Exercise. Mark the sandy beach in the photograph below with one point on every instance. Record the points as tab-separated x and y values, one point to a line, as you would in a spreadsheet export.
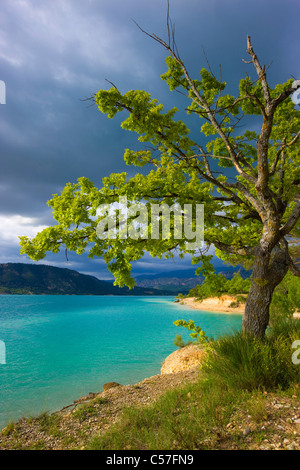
215	304
218	305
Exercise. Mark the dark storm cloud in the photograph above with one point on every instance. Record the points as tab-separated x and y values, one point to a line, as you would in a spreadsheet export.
54	54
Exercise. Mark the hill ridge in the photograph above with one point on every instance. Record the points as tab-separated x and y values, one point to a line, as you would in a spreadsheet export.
42	279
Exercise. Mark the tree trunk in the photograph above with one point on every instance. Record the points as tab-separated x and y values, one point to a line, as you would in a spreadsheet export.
268	271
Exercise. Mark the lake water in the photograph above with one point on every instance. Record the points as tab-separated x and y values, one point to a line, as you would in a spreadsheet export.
59	348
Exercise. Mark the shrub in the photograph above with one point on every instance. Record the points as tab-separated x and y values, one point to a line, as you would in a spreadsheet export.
244	362
178	341
215	285
197	333
285	300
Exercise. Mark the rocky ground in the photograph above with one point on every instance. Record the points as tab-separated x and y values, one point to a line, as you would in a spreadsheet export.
279	429
74	425
275	426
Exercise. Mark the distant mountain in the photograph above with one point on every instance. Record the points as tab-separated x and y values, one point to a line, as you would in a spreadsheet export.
21	278
181	281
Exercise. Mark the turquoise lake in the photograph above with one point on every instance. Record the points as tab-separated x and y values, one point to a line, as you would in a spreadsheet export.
59	348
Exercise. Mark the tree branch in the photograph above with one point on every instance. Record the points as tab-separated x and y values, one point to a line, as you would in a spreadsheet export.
261	71
284	95
199	99
293	268
291	222
242	251
283	146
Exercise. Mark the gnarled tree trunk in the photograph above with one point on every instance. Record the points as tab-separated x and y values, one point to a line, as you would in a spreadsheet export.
268	271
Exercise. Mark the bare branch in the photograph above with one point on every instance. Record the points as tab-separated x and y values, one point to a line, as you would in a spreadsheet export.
168	23
208	65
198	98
111	83
261	72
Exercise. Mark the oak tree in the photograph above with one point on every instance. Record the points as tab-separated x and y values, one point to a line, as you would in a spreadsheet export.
248	181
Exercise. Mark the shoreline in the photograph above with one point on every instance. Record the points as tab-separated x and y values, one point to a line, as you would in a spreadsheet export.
214	304
218	305
154	385
72	427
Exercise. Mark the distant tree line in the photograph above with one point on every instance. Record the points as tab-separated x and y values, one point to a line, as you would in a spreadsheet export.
286	297
215	285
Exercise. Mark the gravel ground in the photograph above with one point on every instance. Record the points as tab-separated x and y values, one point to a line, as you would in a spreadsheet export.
69	428
74	425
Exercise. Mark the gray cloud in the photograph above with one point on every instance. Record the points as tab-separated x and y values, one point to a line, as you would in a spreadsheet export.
53	54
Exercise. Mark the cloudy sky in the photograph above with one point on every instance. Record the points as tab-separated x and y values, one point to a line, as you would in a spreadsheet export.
56	53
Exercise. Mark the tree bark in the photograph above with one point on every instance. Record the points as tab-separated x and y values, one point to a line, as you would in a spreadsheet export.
268	271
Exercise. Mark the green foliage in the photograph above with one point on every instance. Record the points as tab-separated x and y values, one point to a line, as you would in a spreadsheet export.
180	296
180	172
198	335
216	285
238	285
286	299
178	341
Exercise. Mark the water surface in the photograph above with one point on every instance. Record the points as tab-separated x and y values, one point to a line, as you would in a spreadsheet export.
59	348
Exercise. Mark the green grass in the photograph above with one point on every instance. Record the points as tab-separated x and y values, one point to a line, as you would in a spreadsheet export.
195	417
235	387
88	410
48	423
246	363
9	429
233	381
181	419
257	408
